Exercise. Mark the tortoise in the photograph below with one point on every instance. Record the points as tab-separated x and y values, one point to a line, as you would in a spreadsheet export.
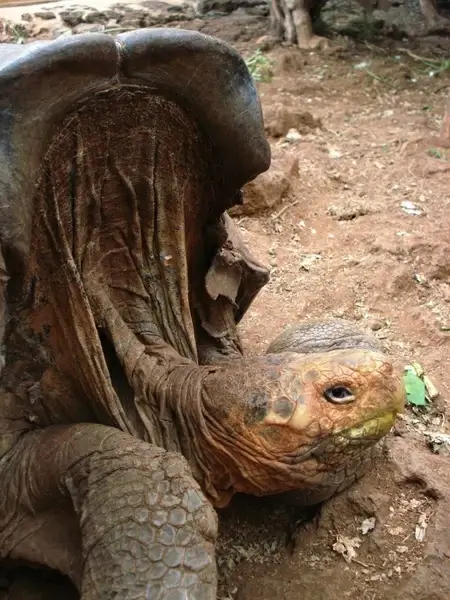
128	410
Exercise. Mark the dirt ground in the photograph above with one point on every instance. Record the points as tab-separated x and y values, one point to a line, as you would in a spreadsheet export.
342	243
356	225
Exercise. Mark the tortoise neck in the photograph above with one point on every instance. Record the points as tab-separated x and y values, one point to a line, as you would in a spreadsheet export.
168	404
191	414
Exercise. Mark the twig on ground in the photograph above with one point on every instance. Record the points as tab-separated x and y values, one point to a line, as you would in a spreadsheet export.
415	140
363	564
420	58
284	209
373	47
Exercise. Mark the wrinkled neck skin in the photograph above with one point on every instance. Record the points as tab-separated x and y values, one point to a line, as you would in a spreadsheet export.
171	402
179	405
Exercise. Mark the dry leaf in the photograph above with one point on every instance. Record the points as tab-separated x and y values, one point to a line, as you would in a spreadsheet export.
396	530
346	546
367	525
421	527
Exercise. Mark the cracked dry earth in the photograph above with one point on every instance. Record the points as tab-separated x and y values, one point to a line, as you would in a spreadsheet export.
353	218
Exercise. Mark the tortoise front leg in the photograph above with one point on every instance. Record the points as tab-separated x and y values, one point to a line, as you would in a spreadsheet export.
123	519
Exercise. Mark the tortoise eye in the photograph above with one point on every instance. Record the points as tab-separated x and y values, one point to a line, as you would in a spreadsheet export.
339	394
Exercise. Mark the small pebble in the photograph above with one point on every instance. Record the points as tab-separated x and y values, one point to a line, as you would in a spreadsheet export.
47	15
375	325
293	135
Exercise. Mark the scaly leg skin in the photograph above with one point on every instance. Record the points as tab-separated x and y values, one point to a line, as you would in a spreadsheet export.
123	519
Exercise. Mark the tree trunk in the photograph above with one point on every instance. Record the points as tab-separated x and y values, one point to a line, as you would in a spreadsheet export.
291	22
435	21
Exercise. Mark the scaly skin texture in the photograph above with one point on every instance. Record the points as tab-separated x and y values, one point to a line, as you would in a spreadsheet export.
290	436
145	531
127	410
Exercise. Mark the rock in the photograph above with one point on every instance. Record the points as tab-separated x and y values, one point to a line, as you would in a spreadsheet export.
47	15
155	13
94	16
344	15
72	18
268	190
279	119
260	10
361	18
39	32
113	14
56	33
88	28
293	136
175	8
375	324
351	209
375	504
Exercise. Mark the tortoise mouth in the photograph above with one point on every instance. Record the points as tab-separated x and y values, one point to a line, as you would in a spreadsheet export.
360	436
370	430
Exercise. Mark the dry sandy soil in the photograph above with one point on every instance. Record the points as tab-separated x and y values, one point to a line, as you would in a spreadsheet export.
342	242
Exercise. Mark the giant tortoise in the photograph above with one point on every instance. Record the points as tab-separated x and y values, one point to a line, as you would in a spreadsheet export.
127	408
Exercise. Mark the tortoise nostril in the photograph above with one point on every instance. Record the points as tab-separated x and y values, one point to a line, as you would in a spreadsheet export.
339	394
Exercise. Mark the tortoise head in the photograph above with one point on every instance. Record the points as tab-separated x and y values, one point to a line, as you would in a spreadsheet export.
286	422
